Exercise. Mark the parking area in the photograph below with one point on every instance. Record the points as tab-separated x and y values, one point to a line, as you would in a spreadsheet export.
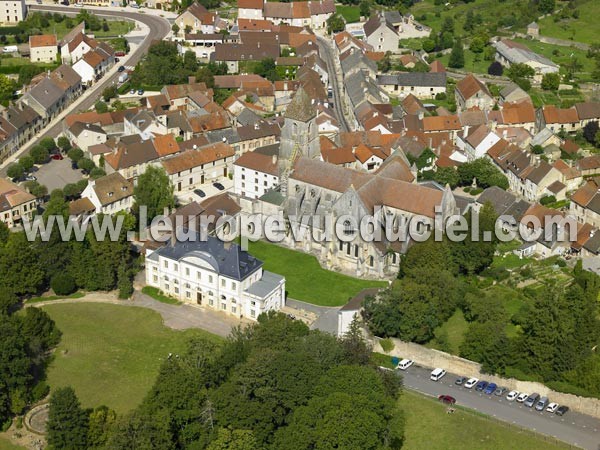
574	428
57	173
208	189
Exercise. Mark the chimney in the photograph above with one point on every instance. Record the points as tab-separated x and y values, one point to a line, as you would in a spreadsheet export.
505	134
465	130
274	159
191	79
421	115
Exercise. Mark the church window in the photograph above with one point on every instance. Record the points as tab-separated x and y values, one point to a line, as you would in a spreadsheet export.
348	229
371	261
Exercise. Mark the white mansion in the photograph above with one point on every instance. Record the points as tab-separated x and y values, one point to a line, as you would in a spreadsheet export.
217	275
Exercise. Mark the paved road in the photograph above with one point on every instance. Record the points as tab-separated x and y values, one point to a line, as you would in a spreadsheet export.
326	51
573	428
158	28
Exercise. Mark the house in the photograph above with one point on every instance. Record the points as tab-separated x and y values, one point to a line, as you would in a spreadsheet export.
68	80
47	98
423	85
250	9
16	204
588	112
234	53
131	157
43	48
590	165
196	19
110	194
476	141
571	177
585	203
94	64
512	93
256	172
557	119
545	137
12	12
351	310
519	114
510	52
533	29
508	207
217	275
472	93
381	34
193	168
85	135
73	50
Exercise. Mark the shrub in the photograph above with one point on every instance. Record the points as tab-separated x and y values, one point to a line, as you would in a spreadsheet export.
63	284
387	345
495	68
75	154
548	199
441	96
40	391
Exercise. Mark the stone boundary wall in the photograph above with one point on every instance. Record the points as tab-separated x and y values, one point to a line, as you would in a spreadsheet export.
431	358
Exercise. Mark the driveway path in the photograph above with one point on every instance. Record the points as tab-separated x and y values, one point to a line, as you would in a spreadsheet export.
178	317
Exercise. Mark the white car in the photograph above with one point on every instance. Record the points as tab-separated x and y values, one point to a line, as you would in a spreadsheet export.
404	364
471	382
522	397
512	395
552	407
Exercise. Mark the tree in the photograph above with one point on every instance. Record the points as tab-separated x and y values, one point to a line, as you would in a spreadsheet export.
365	8
109	93
101	107
63	284
67	422
190	62
154	191
495	68
477	45
7	88
546	6
96	173
267	68
105	26
590	130
519	71
40	331
27	72
551	81
428	45
228	439
101	422
446	175
40	154
335	24
75	154
15	171
124	283
86	164
457	56
64	144
26	162
175	29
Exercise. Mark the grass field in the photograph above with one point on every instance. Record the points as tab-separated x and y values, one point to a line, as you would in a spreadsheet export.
158	295
454	328
473	62
306	280
49	298
428	426
582	29
350	13
5	444
110	354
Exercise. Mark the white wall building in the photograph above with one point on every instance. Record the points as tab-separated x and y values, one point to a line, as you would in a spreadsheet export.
110	194
254	173
12	11
216	275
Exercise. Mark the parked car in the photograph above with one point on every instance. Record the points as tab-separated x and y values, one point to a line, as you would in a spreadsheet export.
404	364
121	69
552	407
140	92
489	390
471	382
532	400
57	157
219	186
512	396
481	385
541	404
199	192
132	92
448	399
562	410
30	178
522	397
437	374
460	381
500	391
74	165
119	54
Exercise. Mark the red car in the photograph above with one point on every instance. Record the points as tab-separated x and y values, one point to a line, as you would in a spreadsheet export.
57	157
447	399
120	54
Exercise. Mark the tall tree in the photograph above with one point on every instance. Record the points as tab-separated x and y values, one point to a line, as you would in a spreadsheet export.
457	56
67	422
153	191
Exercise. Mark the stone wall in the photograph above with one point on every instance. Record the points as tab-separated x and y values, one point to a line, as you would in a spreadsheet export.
431	358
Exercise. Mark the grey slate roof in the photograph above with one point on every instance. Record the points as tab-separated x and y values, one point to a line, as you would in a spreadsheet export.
248	117
227	259
498	198
267	284
437	79
46	93
229	135
301	107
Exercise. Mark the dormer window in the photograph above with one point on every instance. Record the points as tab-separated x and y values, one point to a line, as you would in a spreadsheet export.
110	194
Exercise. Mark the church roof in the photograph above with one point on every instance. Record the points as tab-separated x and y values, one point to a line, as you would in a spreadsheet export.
301	107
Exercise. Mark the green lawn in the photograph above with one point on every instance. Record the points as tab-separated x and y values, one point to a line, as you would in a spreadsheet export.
473	62
429	426
115	28
158	295
562	100
582	29
509	261
306	280
454	328
55	297
5	444
110	354
349	13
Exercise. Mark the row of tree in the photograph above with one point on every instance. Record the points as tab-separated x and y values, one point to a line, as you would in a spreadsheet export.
276	385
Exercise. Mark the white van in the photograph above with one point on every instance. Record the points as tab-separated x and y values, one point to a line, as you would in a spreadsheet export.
437	374
404	364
